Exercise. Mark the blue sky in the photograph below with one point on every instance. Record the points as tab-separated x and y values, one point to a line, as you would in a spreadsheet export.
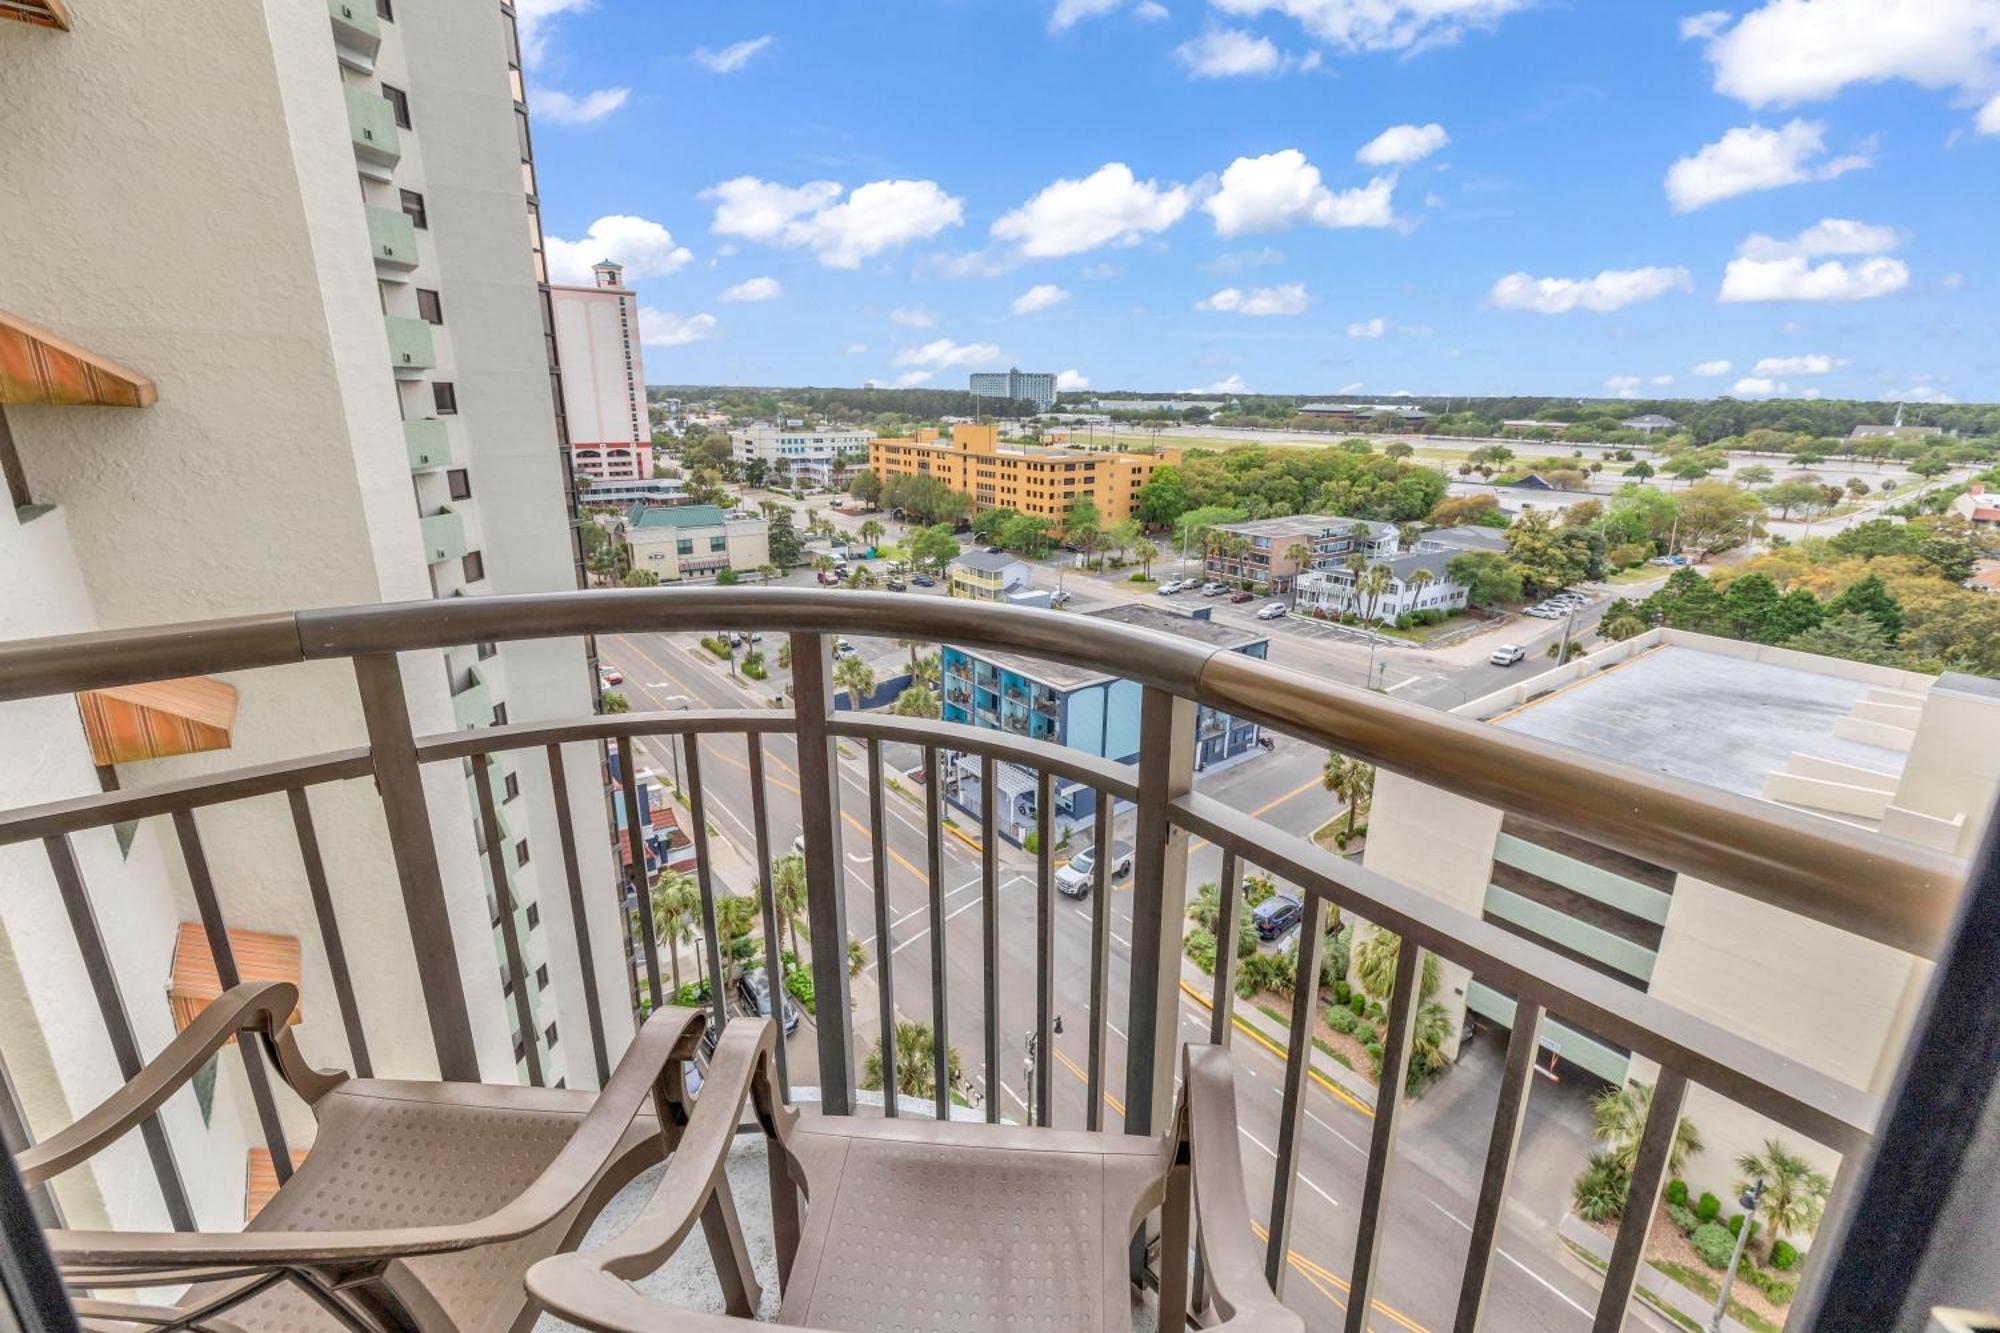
1312	196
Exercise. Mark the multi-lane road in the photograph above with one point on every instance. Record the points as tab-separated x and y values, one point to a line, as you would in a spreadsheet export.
1440	1150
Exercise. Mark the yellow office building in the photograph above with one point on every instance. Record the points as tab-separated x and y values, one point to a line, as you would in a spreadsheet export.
1041	482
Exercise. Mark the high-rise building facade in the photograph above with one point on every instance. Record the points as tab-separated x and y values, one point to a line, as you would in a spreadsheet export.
1040	482
268	341
803	455
1016	385
603	377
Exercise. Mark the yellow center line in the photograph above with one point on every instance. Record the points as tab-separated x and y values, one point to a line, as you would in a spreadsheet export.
1316	1270
1084	1078
1243	1026
1267	807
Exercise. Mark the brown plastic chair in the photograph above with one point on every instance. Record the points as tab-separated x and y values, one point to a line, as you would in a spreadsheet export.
419	1206
916	1224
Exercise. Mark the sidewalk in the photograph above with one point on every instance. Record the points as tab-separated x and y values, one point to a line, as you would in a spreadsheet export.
1275	1037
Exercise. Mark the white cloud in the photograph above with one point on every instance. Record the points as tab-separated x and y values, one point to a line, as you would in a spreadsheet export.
1150	11
1752	157
1756	387
644	248
1069	13
661	328
1237	260
1382	25
1700	27
1716	367
1234	384
1623	386
1286	299
878	216
1767	269
909	379
1371	328
1660	381
1400	145
1922	391
1609	290
1229	53
1988	121
531	21
1097	272
1282	189
562	108
944	354
1810	364
857	349
1791	51
1356	387
1072	381
912	317
734	56
755	289
1041	296
1108	206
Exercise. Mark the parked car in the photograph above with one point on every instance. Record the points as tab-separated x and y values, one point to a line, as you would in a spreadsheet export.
1061	598
897	585
753	992
1213	589
1276	915
924	581
610	675
1507	654
1239	596
842	648
1074	880
1272	611
1172	586
996	550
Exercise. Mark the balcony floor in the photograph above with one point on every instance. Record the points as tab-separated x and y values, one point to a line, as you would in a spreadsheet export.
687	1281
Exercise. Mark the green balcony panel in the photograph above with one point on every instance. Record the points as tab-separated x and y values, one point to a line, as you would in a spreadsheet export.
410	347
372	124
357	33
430	447
1580	1049
444	537
1558	927
392	238
472	705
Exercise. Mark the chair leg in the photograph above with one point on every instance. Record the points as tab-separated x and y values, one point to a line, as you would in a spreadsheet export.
724	1232
1174	1252
784	1211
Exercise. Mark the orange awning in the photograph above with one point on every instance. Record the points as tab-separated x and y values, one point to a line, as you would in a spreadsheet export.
158	719
42	13
259	957
36	366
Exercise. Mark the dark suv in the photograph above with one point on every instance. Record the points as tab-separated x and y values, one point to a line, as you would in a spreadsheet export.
753	995
1276	915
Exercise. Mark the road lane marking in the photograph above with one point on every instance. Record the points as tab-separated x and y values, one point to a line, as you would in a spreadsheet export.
1267	807
1559	1292
1318	1270
1264	1041
1084	1078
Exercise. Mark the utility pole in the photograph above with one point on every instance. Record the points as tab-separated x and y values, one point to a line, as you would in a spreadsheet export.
1750	1201
1569	624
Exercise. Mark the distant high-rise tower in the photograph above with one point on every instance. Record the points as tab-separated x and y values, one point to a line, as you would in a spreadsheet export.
1016	385
604	377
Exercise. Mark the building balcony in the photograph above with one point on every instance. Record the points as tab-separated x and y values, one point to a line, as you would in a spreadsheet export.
392	239
411	350
472	702
1330	1153
371	123
428	442
444	536
357	33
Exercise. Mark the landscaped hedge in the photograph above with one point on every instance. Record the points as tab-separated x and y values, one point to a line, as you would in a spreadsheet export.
1713	1242
1199	946
1341	1019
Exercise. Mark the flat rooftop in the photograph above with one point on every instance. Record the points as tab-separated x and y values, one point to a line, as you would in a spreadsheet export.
1718	720
1062	676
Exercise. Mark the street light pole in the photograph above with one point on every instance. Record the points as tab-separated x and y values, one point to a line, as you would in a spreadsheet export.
1569	624
1750	1200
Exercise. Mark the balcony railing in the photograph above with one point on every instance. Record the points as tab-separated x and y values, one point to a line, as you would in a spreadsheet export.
1844	877
371	123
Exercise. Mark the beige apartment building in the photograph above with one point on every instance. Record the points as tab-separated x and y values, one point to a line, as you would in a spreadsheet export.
1911	756
1041	482
694	541
603	377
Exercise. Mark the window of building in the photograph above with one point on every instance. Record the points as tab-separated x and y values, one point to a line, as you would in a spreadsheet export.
534	915
474	566
430	306
413	208
520	1050
487	650
513	787
550	1033
385	10
685	546
500	714
542	977
445	396
718	543
399	102
460	482
506	981
521	852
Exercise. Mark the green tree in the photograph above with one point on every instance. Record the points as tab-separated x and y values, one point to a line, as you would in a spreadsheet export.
1622	620
1488	577
916	1054
788	884
934	547
1618	1115
783	539
1641	469
1163	499
640	578
676	900
856	677
866	486
1375	955
1846	634
870	532
1025	533
1688	601
1145	553
1869	598
1544	561
1793	493
615	702
1715	516
916	701
1795	1192
1755	475
1352	782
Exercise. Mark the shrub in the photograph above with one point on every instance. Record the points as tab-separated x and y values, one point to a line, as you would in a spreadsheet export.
1269	971
753	667
1374	1054
1341	1019
1366	1034
1032	843
1199	946
800	984
1683	1218
1784	1256
725	578
1708	1207
1735	1225
1777	1290
1342	993
1713	1243
1357	1003
1246	936
1139	577
1677	1192
1257	888
1599	1190
1374	1011
717	646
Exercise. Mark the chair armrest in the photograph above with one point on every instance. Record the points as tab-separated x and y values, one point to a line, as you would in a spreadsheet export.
263	1008
1243	1300
590	1287
669	1036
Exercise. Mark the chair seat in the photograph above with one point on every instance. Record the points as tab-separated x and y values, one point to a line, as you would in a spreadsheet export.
920	1224
399	1154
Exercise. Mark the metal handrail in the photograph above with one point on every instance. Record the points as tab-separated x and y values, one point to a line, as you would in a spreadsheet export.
1894	893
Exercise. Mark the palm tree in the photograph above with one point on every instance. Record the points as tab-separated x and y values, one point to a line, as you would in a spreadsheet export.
916	1049
788	885
765	571
1794	1193
871	532
823	564
856	677
927	670
785	653
1373	584
1619	1117
1299	556
1351	780
1375	956
1419	580
676	899
1145	553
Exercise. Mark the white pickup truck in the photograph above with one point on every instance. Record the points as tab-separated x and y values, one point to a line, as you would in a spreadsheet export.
1074	880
